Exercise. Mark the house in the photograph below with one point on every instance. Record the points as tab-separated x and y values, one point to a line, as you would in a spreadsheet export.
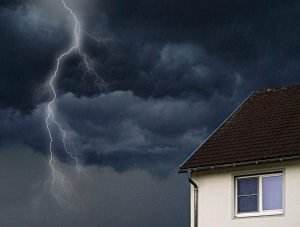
247	173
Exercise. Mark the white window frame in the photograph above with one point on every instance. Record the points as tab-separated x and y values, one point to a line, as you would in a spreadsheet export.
260	211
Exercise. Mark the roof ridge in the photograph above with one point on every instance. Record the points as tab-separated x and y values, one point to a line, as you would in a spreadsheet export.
276	89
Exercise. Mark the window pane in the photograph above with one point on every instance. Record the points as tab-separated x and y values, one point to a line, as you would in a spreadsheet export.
247	204
272	193
247	186
247	194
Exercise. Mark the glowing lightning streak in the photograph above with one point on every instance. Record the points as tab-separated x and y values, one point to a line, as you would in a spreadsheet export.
61	187
50	112
50	118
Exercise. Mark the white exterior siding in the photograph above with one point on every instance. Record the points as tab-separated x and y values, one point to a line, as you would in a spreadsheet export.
216	198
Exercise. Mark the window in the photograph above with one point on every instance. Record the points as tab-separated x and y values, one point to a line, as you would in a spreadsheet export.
259	195
247	194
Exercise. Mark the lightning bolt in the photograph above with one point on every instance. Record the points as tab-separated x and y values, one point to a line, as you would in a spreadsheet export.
50	120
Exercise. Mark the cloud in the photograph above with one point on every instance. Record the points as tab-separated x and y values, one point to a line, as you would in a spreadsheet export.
164	93
125	131
160	103
33	34
149	69
156	49
172	69
119	130
19	130
29	44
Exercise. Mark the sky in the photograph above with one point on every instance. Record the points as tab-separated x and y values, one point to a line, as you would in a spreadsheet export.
165	74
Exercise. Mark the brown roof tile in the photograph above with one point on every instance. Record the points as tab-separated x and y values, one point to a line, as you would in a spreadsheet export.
266	126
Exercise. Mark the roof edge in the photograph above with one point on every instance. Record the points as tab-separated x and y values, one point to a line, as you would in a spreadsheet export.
215	130
276	89
245	163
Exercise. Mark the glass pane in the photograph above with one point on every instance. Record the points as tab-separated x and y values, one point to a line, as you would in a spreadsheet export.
272	193
247	186
247	194
247	204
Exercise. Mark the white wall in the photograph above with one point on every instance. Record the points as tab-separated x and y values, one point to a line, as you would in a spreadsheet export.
216	198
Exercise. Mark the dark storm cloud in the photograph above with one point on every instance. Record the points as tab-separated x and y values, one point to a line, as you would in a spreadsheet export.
28	48
125	131
146	68
231	27
33	33
209	42
119	129
174	70
258	39
161	59
9	3
167	48
20	130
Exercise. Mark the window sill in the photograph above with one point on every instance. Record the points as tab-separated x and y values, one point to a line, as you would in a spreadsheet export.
258	214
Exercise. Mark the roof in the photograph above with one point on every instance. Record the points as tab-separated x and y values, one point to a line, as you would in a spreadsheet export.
266	127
